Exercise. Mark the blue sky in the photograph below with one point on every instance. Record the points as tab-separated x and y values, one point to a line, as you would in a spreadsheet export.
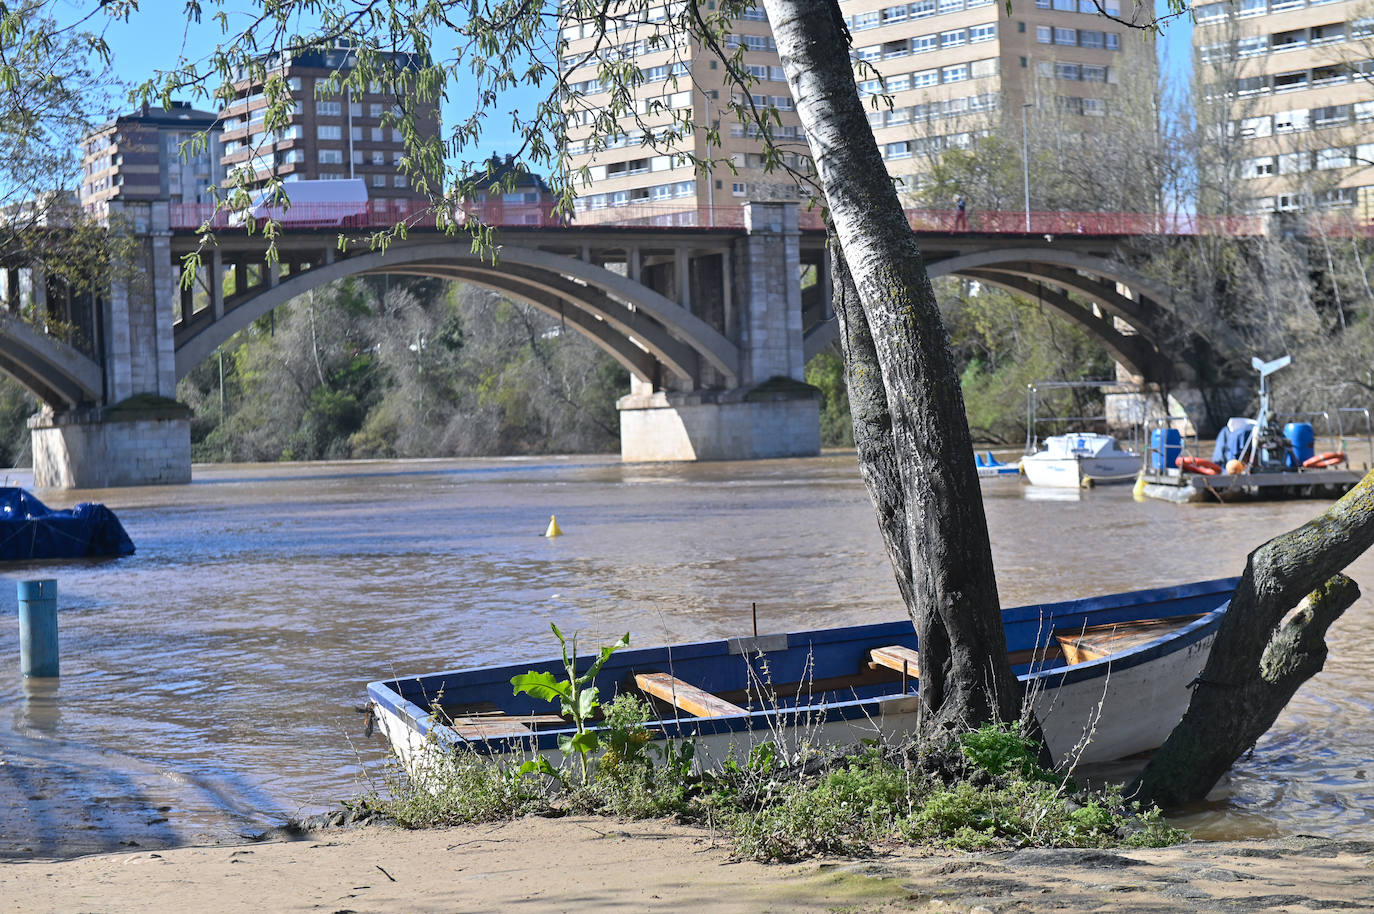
159	34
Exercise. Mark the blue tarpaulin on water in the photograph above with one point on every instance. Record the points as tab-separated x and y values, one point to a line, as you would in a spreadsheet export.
30	529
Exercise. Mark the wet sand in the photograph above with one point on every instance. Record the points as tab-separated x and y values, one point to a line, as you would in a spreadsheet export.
585	865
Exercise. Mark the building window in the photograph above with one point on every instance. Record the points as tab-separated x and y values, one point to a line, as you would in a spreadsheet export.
400	181
1113	41
1087	38
328	132
1044	34
950	6
331	156
922	43
374	111
1259	168
900	150
739	189
953	38
983	32
955	74
922	8
328	109
379	180
1066	36
378	135
1094	107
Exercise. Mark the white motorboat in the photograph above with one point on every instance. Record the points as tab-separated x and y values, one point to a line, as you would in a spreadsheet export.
1084	459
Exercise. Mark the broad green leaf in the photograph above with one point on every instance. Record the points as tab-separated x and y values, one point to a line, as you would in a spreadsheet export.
543	686
585	742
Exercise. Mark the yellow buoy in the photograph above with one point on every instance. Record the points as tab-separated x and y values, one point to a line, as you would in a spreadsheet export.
1236	467
1138	492
554	529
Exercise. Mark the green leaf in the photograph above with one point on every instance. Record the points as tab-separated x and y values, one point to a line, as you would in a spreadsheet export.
585	705
543	686
606	653
537	766
584	742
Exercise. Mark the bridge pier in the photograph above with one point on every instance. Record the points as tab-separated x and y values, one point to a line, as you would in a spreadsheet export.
137	433
100	448
772	412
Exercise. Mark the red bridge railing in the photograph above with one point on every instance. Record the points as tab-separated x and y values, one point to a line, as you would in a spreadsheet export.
381	214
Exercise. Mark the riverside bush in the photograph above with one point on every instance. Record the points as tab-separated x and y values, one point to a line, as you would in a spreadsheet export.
989	792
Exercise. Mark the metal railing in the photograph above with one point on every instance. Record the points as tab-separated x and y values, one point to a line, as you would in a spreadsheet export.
380	214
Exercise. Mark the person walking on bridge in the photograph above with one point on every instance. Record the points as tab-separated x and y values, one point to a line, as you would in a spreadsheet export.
960	217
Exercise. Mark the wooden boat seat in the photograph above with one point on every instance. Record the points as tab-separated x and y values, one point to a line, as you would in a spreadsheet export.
896	657
1098	641
490	722
685	696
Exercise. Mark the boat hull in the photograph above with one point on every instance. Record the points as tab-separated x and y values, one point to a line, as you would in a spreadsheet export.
1075	472
1091	711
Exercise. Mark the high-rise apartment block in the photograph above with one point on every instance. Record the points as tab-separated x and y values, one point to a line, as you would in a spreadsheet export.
331	134
1297	81
151	155
952	68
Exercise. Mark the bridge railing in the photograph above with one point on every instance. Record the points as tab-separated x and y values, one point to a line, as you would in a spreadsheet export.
378	214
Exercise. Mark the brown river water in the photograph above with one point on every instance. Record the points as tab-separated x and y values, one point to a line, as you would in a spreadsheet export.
212	682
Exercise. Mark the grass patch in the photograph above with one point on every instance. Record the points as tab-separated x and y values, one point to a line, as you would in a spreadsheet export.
985	790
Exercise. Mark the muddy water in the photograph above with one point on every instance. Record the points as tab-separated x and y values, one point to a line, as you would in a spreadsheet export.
211	683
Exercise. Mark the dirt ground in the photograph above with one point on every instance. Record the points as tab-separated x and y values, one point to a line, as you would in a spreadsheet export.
584	865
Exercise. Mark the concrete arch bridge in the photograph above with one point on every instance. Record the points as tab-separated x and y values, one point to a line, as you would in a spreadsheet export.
706	311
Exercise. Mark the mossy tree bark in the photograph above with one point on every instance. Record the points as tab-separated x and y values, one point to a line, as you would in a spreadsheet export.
910	426
1267	646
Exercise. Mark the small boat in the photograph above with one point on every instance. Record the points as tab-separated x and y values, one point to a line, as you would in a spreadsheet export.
1084	459
30	529
991	466
1109	677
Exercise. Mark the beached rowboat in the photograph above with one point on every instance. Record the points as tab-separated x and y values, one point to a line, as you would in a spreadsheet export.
1109	676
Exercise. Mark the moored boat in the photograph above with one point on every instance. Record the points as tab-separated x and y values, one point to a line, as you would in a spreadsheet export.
1083	459
1109	677
30	529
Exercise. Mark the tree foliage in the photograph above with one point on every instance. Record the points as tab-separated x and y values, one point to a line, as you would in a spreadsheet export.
402	368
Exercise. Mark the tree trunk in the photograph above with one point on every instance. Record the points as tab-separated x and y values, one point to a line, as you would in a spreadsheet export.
1263	652
934	493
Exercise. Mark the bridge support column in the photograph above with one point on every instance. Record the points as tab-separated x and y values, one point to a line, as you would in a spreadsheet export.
139	434
100	448
773	412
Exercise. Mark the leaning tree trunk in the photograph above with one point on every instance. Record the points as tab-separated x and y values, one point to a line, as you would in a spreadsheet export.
933	495
1262	653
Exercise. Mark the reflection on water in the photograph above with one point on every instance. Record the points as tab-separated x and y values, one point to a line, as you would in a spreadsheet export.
212	681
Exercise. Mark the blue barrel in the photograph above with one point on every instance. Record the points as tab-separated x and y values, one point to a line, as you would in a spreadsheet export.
1301	436
1165	446
38	628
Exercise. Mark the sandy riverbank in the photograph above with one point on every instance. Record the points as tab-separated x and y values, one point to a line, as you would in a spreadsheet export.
586	865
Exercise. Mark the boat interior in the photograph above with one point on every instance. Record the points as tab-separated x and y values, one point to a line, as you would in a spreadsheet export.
729	680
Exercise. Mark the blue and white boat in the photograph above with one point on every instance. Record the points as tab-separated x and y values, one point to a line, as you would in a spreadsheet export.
1084	459
1109	677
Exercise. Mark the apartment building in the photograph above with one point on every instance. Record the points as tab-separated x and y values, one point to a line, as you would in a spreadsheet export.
150	155
953	69
331	135
680	76
1297	80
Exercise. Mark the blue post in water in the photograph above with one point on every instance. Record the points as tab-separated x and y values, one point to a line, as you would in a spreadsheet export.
38	628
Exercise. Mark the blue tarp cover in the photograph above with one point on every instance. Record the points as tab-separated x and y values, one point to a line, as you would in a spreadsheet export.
30	529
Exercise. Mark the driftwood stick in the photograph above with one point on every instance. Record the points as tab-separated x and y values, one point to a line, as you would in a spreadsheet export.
1266	647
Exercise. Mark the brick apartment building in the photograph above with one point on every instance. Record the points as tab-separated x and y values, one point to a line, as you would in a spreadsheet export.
147	155
329	136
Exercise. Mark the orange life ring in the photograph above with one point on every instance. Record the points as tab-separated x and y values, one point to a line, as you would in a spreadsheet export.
1198	465
1321	461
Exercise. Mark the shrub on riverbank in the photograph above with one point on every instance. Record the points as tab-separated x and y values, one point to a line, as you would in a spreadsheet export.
991	794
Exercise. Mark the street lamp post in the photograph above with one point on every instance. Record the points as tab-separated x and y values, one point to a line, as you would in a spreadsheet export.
1025	162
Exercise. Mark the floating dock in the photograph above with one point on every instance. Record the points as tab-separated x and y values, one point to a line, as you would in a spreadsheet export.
1175	485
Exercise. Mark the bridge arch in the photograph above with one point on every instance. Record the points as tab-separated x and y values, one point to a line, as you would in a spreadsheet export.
1025	269
54	372
636	319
